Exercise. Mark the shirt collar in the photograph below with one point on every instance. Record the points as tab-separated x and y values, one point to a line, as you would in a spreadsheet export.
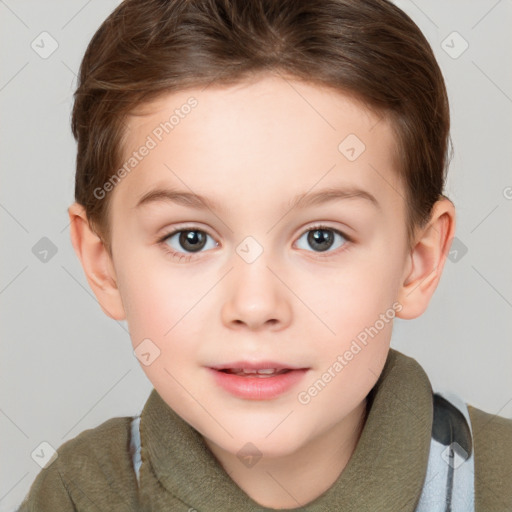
386	470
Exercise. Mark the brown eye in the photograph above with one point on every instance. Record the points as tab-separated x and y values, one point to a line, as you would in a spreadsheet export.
323	238
192	241
187	241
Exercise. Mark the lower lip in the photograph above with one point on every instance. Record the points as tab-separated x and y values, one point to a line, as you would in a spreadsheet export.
258	388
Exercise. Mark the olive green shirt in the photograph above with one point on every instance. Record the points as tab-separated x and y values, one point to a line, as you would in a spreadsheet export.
94	471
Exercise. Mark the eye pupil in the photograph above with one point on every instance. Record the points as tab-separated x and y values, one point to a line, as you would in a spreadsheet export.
192	240
318	237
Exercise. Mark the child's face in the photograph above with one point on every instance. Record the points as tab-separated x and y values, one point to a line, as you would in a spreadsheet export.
261	289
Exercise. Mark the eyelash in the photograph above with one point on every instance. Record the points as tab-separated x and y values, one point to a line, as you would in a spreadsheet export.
188	256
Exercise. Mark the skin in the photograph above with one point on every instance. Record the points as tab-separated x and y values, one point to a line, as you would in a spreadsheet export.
252	147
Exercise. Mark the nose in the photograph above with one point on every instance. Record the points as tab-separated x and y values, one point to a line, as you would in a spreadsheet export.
255	298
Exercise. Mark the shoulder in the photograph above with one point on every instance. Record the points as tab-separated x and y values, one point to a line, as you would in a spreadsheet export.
93	467
492	436
105	446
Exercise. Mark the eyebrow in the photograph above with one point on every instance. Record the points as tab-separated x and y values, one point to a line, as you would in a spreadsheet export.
199	202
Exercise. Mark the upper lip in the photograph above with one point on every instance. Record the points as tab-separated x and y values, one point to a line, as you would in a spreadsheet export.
256	365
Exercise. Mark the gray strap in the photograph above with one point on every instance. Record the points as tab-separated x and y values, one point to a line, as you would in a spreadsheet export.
135	446
449	482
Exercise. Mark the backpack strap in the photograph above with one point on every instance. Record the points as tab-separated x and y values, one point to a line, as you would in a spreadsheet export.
449	482
135	446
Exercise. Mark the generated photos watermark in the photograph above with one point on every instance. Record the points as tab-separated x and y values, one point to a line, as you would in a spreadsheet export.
342	360
152	140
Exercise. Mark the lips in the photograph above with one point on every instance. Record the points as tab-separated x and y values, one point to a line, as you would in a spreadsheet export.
257	380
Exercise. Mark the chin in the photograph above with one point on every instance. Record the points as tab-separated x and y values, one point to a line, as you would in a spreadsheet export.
256	442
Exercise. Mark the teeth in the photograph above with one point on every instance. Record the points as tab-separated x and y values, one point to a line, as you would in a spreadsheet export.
267	371
263	371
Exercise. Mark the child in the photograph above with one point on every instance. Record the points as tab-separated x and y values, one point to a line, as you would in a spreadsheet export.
303	147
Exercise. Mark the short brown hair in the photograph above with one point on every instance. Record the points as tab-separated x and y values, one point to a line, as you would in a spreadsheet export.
369	49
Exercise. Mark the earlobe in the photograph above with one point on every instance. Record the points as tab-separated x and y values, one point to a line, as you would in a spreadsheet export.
426	261
96	262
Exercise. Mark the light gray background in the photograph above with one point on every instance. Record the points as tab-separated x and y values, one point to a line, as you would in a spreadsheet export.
66	367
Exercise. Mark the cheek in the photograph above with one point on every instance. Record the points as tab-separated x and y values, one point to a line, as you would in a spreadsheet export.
159	324
356	303
162	303
149	299
354	297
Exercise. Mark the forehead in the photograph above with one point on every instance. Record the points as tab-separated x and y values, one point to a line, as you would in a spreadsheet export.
274	136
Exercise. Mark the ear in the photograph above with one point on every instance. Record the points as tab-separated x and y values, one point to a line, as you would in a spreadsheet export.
426	261
96	262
